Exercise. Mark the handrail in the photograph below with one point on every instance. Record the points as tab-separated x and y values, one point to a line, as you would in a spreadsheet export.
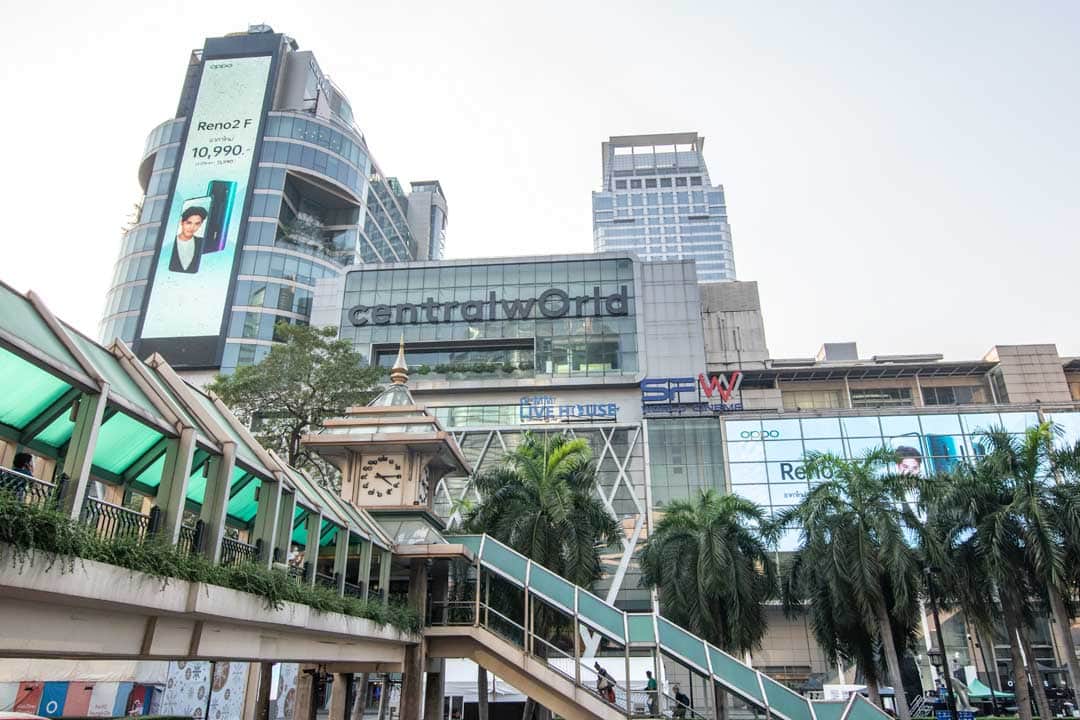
665	637
112	521
235	552
27	488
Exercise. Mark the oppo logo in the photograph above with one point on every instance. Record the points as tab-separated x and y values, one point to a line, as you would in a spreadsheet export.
759	434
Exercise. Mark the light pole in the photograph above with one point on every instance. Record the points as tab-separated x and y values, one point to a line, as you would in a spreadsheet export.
950	698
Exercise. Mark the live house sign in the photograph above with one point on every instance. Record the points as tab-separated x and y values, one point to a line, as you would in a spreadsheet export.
552	303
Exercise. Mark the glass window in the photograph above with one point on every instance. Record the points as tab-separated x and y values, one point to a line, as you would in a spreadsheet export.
860	427
754	493
941	424
784	450
834	446
746	451
880	397
975	423
900	425
780	429
821	427
748	474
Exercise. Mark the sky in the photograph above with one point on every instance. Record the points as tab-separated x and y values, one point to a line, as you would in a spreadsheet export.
904	175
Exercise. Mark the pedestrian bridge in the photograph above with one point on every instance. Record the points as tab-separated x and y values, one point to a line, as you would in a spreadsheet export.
129	450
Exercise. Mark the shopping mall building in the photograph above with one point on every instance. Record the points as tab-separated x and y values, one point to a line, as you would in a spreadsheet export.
671	383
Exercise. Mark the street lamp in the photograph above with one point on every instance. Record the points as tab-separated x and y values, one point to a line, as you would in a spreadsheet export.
938	657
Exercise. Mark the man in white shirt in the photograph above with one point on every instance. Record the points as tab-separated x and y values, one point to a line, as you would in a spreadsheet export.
187	250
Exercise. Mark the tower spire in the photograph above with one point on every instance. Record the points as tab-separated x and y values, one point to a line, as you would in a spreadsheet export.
399	374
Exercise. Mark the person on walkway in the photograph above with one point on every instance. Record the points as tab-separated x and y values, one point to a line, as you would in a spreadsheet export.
650	688
605	684
24	463
682	702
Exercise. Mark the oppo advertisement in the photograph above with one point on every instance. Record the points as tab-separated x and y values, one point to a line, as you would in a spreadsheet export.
201	233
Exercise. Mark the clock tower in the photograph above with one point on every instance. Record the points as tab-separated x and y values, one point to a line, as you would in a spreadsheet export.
391	453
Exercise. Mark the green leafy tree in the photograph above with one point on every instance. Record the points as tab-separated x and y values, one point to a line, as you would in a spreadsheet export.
542	501
712	571
1001	528
306	379
855	534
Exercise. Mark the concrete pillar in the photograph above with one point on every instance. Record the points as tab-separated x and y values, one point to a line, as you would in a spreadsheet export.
439	584
415	655
364	572
285	525
266	520
435	693
361	698
80	451
257	695
341	558
313	525
384	575
384	698
219	472
338	709
172	492
305	693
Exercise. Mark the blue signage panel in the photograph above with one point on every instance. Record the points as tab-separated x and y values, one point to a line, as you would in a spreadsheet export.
545	408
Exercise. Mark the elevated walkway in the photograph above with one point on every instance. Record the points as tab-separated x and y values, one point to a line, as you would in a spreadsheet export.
555	671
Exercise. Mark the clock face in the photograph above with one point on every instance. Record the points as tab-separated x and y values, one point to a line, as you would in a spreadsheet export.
380	480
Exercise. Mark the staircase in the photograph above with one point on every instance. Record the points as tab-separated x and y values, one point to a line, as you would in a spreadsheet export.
564	680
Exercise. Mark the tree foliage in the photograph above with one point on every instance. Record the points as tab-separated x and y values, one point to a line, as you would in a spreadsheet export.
712	569
306	379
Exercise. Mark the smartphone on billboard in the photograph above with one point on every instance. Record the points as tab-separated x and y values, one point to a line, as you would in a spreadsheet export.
222	195
942	451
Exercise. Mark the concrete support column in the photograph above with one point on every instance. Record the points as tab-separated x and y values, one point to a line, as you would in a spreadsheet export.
89	411
257	697
219	470
266	520
285	526
435	692
338	706
384	575
364	573
341	558
305	694
412	690
313	525
384	698
361	698
172	492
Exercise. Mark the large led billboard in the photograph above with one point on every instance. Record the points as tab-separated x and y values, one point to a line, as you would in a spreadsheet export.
200	240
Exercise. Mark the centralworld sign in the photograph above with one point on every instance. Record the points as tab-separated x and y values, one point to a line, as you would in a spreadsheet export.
552	303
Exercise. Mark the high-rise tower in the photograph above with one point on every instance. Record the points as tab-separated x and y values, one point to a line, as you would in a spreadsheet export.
259	186
658	202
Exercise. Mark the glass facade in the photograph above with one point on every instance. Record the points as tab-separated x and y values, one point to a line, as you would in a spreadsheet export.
686	456
658	202
320	203
447	317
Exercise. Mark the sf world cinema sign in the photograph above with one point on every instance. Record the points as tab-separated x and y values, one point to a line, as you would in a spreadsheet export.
701	395
552	303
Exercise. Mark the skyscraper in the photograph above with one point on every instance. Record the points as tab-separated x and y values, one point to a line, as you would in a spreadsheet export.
260	185
658	202
427	219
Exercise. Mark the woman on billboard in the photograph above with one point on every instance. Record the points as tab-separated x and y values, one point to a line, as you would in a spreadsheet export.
187	250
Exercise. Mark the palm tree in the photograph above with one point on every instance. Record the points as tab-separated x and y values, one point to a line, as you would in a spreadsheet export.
854	533
542	501
712	571
1001	529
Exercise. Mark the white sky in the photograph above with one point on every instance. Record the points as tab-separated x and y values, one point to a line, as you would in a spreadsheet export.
900	174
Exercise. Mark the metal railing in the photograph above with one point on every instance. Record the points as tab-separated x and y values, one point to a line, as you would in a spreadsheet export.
628	701
190	540
235	552
30	490
352	590
296	572
115	521
329	581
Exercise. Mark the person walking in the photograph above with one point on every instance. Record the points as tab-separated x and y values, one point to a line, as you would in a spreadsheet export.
605	684
682	702
651	690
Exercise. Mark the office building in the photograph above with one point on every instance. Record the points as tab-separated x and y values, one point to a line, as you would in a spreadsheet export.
263	155
427	219
658	201
672	384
